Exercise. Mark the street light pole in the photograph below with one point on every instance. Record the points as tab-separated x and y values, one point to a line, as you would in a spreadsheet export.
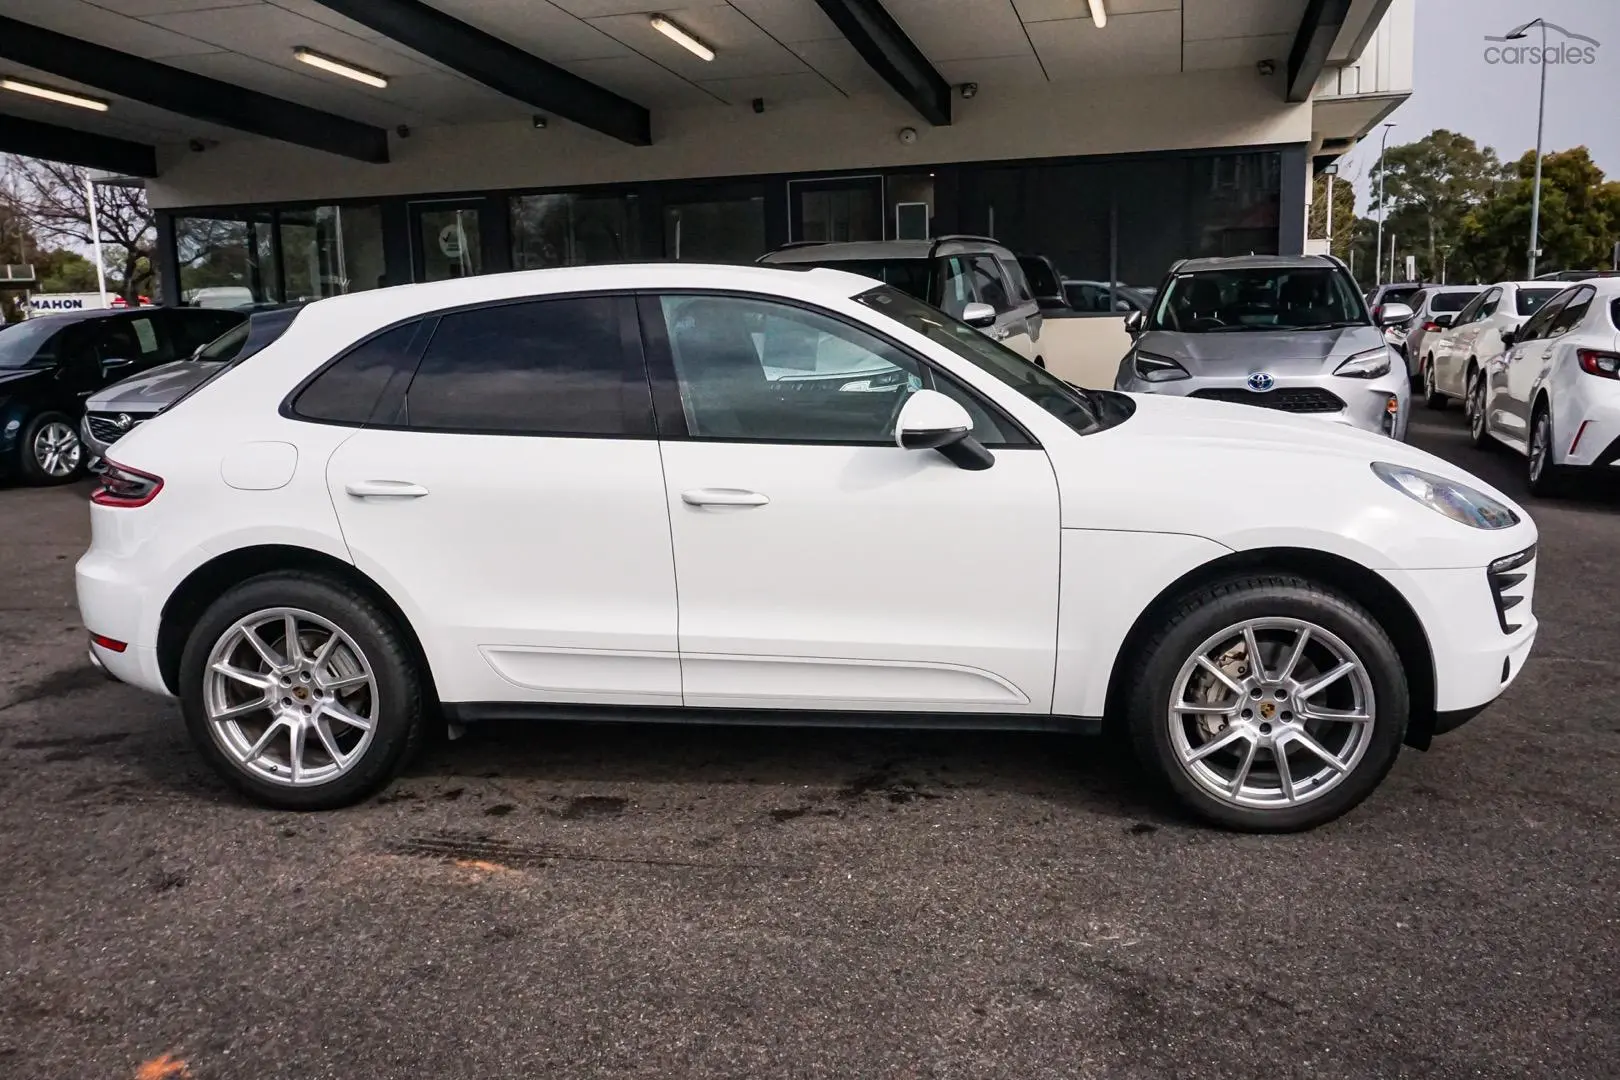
1541	118
1378	262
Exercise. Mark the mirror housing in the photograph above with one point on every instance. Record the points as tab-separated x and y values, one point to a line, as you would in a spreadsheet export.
979	316
108	366
931	421
1444	321
1134	322
1392	313
1509	335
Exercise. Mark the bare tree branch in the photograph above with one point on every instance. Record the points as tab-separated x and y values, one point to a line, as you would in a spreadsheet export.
51	197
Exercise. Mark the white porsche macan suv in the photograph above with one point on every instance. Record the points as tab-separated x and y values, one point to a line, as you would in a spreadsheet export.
735	494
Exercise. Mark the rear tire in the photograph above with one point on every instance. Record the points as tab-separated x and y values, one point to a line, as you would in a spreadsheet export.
1544	477
266	727
49	450
1432	397
1474	405
1283	712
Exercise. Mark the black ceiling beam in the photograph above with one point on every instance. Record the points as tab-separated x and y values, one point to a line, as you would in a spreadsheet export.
189	94
501	66
31	138
889	52
1320	25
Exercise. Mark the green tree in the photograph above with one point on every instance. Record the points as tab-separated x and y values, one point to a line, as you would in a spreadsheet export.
1344	213
51	197
1429	187
1580	218
62	270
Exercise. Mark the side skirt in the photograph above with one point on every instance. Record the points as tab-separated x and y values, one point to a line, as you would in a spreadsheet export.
469	712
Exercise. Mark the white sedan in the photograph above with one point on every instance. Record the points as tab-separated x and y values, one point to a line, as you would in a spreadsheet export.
729	494
1455	353
1554	396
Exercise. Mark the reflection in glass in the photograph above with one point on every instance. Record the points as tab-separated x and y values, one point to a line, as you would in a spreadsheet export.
909	198
841	212
448	240
331	250
728	231
573	230
226	262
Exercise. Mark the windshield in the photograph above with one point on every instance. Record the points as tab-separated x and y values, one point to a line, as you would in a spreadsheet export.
1529	301
28	344
1399	295
910	276
1085	411
1258	298
1451	301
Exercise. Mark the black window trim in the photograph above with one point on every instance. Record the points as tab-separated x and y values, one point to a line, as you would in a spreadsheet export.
660	361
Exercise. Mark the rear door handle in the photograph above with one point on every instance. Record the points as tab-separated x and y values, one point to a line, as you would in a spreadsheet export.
723	497
384	489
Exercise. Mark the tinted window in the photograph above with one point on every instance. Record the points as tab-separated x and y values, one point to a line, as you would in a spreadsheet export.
987	283
1400	295
195	328
1013	274
543	367
1488	305
347	391
28	343
1614	313
750	368
1472	311
908	275
1451	301
1575	309
134	338
1041	278
1537	326
1529	301
956	288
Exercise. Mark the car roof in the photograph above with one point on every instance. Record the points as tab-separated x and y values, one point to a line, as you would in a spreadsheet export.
64	318
865	250
1261	262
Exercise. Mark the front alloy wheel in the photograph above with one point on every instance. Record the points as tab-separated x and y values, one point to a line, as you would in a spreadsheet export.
1271	713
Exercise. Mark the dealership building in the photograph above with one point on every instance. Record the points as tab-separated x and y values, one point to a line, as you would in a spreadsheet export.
302	148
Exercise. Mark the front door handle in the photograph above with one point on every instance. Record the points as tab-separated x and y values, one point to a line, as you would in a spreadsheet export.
384	489
723	497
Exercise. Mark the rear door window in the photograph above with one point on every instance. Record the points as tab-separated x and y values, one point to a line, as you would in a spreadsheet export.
348	389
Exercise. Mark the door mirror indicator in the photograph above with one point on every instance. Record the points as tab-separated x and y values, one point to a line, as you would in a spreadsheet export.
931	421
979	316
1134	323
1393	313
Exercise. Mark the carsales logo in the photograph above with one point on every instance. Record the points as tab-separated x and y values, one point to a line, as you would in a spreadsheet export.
1539	42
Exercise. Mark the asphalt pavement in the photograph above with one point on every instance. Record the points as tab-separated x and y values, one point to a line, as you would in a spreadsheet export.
556	901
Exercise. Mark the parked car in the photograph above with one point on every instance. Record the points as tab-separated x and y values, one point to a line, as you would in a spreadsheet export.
1433	308
1554	395
953	273
1454	355
491	496
113	412
1285	332
1394	292
50	364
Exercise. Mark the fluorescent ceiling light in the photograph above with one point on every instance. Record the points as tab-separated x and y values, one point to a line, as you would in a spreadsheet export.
339	67
62	97
1099	14
680	37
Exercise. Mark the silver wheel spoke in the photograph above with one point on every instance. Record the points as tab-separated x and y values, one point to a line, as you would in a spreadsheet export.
1295	654
1221	676
1257	669
1243	770
343	682
1285	779
324	656
1307	711
260	682
1206	710
252	637
1217	744
290	646
329	743
1305	739
264	740
241	710
296	734
1322	682
339	712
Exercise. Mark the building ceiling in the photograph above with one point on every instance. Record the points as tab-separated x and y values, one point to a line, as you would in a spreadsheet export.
779	50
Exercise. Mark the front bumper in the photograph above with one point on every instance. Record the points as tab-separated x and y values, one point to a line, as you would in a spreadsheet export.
1380	405
98	431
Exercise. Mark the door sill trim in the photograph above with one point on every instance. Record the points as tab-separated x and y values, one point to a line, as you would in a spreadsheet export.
467	712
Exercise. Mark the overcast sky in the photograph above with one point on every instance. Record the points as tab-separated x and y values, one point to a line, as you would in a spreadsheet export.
1455	87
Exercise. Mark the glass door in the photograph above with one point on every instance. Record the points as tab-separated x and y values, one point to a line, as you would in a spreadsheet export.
839	209
445	241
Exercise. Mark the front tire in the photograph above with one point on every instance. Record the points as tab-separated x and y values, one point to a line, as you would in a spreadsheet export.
1288	745
50	450
1432	397
301	692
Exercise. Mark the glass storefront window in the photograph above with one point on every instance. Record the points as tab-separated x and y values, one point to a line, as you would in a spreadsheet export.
909	200
450	242
573	230
227	262
331	250
723	231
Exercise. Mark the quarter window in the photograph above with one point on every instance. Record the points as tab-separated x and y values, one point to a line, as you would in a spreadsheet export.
348	390
540	367
1574	311
752	369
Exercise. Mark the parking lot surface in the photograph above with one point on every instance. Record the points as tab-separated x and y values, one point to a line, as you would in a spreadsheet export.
559	901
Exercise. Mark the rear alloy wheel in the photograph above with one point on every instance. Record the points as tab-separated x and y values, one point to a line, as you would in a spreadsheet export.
1474	406
1270	704
1543	475
300	692
51	450
1432	397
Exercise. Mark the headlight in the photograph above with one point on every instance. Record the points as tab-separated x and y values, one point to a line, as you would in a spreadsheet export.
1365	365
1154	368
1459	502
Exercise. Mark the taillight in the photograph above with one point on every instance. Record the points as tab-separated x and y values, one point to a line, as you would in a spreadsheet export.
1602	364
126	487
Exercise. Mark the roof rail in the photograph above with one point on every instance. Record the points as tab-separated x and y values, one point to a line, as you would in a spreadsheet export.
801	243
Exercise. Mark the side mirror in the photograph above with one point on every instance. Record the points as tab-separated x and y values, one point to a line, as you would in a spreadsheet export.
1444	321
1509	335
1392	313
979	316
110	366
931	421
1134	322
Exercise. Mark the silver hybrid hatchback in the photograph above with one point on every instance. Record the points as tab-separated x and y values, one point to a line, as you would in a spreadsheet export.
1282	332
